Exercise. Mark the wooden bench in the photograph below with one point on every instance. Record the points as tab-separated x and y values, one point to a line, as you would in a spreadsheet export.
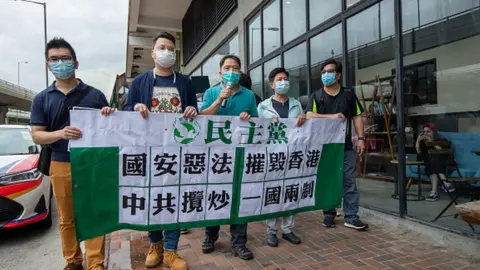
470	212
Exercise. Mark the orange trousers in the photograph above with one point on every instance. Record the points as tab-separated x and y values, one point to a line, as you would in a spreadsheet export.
61	177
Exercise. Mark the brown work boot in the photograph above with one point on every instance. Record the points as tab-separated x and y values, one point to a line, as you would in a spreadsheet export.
155	255
72	266
174	261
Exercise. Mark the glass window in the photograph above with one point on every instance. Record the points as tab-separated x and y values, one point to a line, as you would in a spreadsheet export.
256	77
254	39
352	2
294	22
387	20
321	10
369	57
324	46
271	27
441	82
295	62
197	72
434	10
409	14
211	67
363	28
267	68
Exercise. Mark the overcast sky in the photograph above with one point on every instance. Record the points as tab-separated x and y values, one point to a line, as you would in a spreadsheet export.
97	30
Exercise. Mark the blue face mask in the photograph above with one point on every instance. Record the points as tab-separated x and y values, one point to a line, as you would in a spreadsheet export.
282	87
62	69
329	78
231	77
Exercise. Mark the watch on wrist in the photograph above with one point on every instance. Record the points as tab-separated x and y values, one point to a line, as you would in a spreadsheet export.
361	138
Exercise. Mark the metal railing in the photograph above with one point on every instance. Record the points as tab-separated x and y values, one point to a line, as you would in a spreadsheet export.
16	90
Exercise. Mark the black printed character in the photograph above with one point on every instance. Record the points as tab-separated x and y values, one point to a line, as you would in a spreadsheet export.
133	202
134	164
168	203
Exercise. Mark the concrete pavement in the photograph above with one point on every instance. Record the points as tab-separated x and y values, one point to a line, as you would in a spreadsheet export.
382	247
31	248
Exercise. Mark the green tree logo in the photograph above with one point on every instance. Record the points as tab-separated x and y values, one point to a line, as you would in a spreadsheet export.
185	130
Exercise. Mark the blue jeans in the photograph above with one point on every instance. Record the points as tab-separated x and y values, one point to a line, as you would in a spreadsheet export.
170	241
350	193
238	232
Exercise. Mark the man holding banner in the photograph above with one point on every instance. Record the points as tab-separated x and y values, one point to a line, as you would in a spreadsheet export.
163	90
334	101
229	98
280	105
50	121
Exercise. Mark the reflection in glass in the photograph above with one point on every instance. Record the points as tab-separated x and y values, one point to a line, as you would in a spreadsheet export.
409	14
295	62
271	27
441	87
352	2
254	39
267	68
324	46
321	10
363	28
294	21
368	57
256	77
434	10
387	22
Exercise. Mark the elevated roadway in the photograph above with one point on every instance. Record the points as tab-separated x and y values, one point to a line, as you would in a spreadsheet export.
14	97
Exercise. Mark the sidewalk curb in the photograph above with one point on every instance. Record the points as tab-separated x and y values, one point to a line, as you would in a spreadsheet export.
107	251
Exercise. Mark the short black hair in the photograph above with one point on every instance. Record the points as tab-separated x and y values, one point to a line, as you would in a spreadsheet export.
59	43
338	65
275	71
164	35
230	56
245	81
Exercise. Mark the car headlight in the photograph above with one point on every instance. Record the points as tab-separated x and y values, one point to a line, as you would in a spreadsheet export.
20	177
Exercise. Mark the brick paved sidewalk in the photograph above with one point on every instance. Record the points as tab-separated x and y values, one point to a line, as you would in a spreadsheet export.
381	247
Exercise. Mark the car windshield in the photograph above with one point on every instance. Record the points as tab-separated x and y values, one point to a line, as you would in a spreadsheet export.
16	141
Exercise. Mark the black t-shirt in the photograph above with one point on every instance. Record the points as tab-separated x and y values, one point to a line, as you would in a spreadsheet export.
345	102
281	108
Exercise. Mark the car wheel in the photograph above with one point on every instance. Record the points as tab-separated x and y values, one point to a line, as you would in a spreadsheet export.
47	222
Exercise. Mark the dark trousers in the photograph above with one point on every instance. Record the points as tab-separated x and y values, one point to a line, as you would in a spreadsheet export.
350	193
238	232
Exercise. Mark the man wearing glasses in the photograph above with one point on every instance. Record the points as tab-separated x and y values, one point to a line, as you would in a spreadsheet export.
229	98
334	101
51	126
163	90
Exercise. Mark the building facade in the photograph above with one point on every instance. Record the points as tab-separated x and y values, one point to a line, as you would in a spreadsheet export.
411	62
438	81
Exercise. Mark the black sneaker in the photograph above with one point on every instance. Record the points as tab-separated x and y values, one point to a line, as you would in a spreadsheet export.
208	246
272	240
184	231
292	238
356	224
432	197
242	252
329	221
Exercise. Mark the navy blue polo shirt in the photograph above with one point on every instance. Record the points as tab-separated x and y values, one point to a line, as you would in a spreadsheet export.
48	106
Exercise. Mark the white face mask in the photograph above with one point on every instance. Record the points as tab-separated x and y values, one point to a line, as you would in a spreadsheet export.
165	58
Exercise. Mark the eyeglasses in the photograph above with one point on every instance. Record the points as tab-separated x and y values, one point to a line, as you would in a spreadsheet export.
328	71
58	58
